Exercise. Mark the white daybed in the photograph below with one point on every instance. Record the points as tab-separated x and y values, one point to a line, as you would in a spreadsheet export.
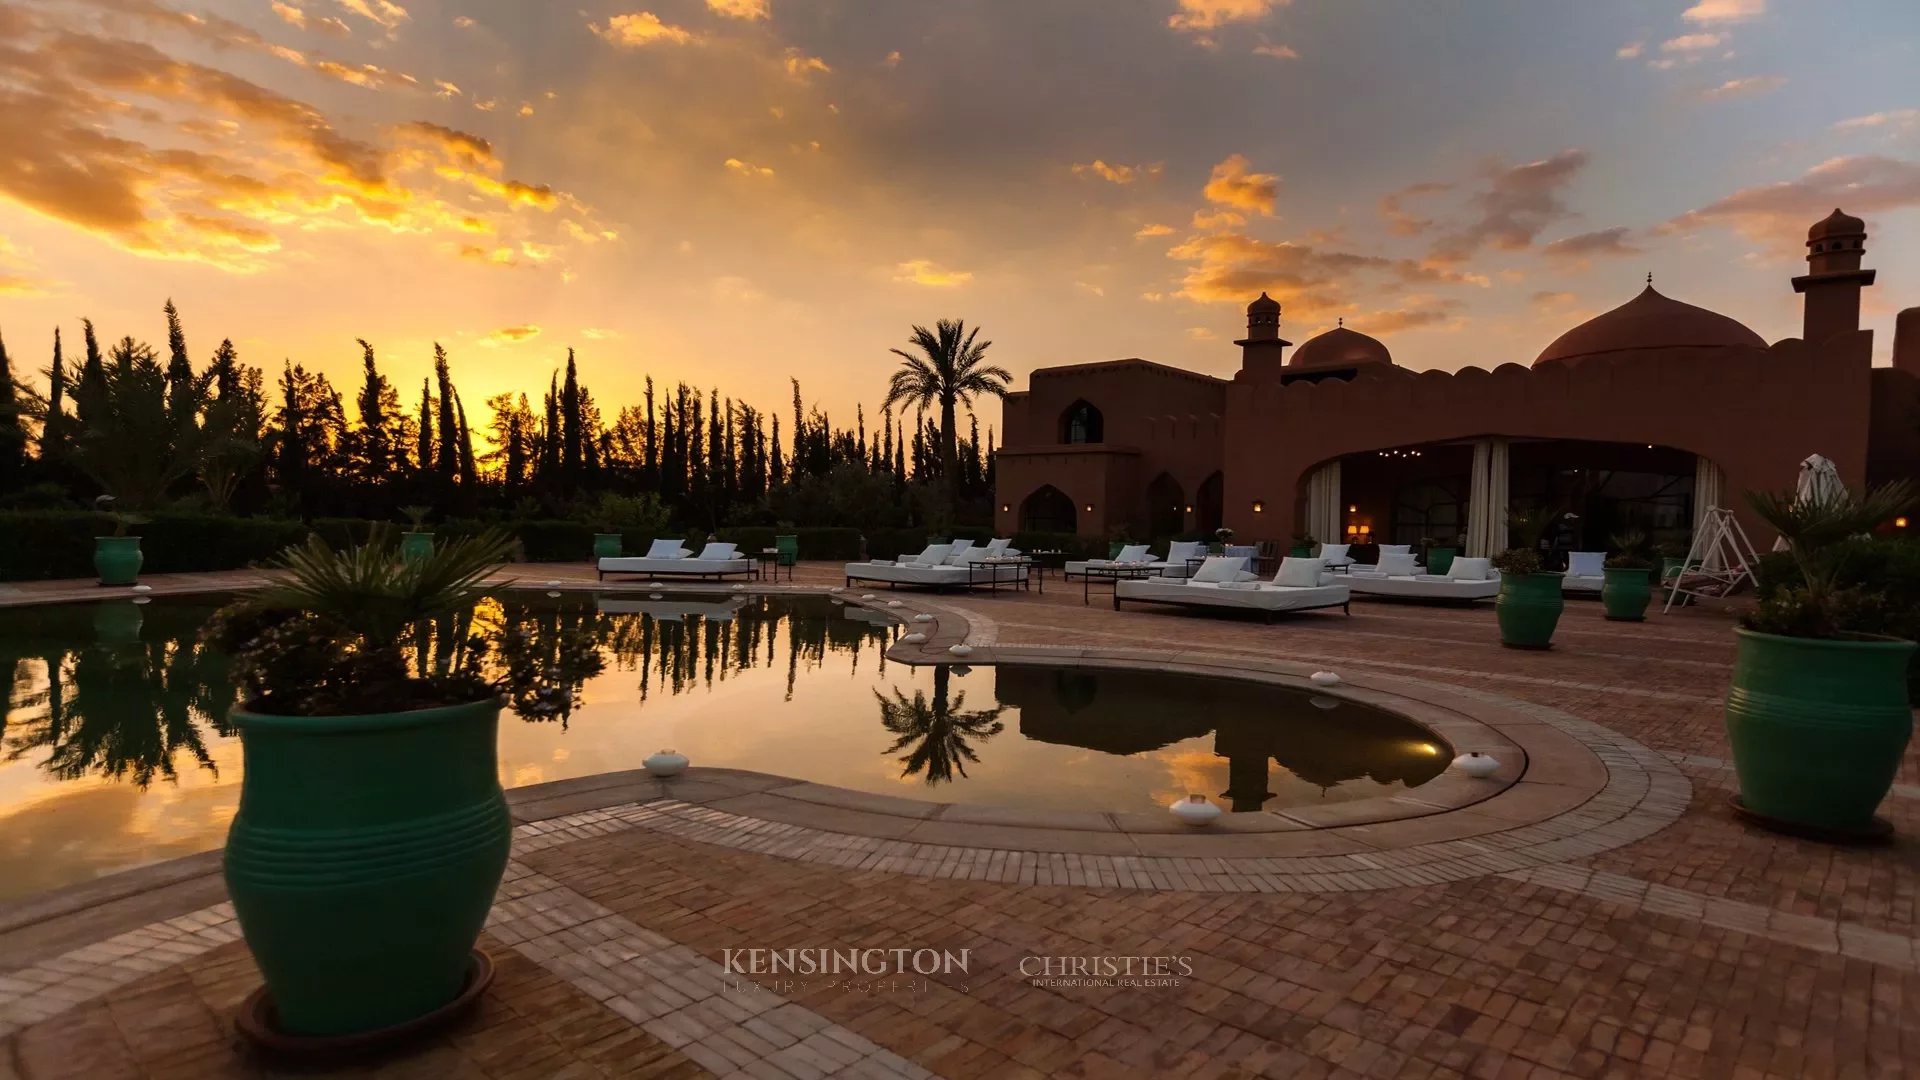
939	566
1388	561
1466	580
1586	572
666	558
1300	585
1130	555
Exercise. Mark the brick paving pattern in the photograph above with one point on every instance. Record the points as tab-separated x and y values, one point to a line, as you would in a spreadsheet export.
1704	949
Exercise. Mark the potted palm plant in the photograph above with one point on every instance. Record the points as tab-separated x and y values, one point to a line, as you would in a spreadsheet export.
1817	714
137	445
1530	602
417	541
372	831
117	558
1628	587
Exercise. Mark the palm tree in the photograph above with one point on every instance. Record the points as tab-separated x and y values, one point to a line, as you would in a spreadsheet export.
936	733
951	371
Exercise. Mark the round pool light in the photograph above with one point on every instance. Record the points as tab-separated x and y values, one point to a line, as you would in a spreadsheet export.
665	763
1476	764
923	617
1195	810
893	603
553	583
961	649
553	592
739	588
1324	678
915	638
143	588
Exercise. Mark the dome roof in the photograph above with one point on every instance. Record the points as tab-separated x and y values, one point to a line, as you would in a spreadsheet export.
1837	224
1340	348
1648	321
1265	303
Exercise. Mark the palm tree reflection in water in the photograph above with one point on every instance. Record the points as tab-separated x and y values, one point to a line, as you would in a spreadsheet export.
937	734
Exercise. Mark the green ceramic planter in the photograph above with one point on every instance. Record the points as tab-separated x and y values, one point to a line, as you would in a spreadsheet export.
1669	567
1440	559
416	545
1301	551
608	545
1626	593
117	559
1528	610
364	858
1818	726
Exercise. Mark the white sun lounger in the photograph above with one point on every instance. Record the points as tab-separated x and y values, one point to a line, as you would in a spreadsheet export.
1586	572
1267	597
1466	580
717	560
938	568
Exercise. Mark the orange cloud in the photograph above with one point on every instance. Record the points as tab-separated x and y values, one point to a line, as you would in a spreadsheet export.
1117	174
1209	14
1585	245
1233	184
747	168
1518	203
639	29
1401	221
388	15
510	335
1778	214
1278	52
1751	86
925	272
1715	11
802	67
1152	230
749	10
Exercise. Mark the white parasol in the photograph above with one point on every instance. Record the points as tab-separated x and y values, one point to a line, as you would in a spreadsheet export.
1819	482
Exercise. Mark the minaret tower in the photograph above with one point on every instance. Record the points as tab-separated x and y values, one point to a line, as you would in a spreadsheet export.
1262	350
1832	285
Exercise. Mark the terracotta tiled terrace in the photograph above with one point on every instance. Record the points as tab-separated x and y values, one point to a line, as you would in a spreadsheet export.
1602	913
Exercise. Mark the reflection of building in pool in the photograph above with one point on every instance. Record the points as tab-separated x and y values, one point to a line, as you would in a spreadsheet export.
1254	726
1642	416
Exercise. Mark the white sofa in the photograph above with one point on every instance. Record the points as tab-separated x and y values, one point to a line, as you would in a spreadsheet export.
1466	580
666	558
1586	572
941	566
1243	592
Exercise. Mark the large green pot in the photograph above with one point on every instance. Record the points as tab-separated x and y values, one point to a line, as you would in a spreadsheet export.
1440	559
364	858
608	545
1818	726
116	559
1301	551
415	546
1528	610
1669	567
1626	593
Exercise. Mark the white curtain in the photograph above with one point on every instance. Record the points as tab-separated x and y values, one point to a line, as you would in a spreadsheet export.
1323	503
1709	490
1487	500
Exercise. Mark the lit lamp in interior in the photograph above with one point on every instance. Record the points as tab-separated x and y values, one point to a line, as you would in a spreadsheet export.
1353	530
1366	532
1351	508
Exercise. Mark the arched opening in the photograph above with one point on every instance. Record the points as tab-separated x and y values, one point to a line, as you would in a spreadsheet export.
1049	510
1166	507
1082	423
1209	502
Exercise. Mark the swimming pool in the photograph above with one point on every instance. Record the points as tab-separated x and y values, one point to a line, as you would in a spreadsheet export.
116	752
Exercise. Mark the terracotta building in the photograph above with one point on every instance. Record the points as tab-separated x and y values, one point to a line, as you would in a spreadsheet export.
1643	416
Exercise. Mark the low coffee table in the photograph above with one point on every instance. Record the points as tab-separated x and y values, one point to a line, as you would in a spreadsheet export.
1113	575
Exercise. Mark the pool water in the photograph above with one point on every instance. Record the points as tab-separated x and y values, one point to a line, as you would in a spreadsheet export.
116	752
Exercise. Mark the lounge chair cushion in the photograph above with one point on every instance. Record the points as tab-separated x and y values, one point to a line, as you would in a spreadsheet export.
1132	553
666	549
1180	551
1219	568
1395	563
1395	549
1587	563
1299	573
957	553
1335	554
931	555
716	552
1465	569
999	545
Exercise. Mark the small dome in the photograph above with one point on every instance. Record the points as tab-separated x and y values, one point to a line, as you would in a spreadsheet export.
1837	224
1265	303
1648	321
1340	348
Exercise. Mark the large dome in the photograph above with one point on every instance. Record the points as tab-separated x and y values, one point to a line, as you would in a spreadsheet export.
1648	321
1340	348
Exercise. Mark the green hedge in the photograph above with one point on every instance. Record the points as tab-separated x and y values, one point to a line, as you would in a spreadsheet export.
36	545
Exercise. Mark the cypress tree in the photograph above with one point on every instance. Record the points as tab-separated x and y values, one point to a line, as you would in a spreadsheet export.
373	416
570	426
13	433
447	464
423	451
180	395
53	434
291	462
516	467
548	473
776	460
91	390
226	370
650	462
469	478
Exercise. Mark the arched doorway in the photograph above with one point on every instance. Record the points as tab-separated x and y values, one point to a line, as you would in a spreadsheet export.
1166	507
1082	423
1209	503
1048	510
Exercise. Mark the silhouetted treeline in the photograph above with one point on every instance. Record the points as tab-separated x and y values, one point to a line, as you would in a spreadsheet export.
229	436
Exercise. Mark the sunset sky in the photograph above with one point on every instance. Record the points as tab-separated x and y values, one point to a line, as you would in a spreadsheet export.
732	191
